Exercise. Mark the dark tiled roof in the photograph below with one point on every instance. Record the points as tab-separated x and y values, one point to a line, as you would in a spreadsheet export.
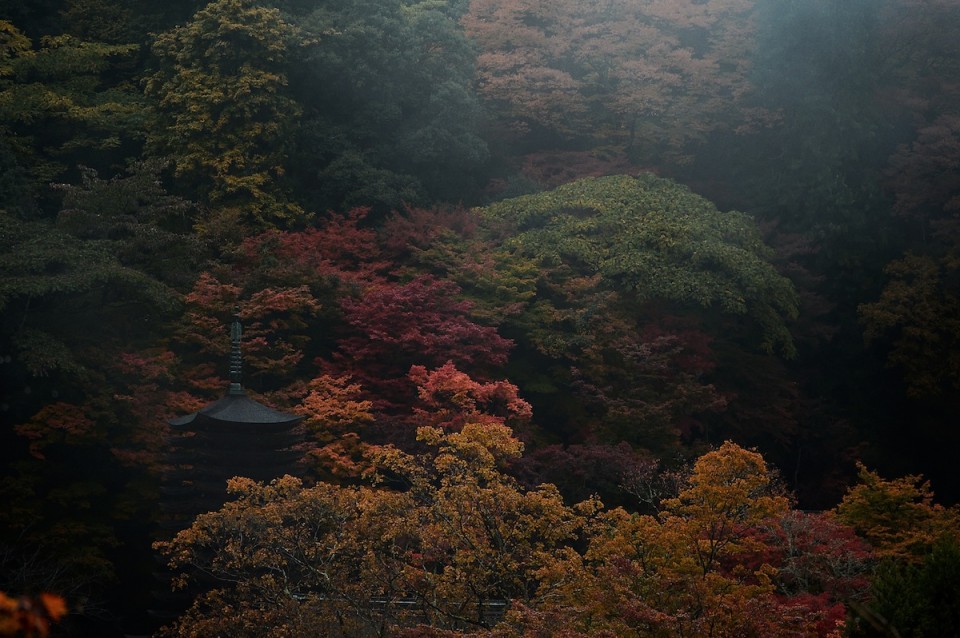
236	407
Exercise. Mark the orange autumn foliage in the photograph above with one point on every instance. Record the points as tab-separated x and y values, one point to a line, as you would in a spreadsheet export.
333	415
690	571
898	516
30	617
58	422
441	536
289	560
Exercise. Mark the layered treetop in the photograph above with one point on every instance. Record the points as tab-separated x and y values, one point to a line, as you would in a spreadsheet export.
655	239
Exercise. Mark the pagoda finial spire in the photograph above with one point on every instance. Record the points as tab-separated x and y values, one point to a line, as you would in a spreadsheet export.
236	358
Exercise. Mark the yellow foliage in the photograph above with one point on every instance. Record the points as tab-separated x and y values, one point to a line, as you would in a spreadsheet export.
897	517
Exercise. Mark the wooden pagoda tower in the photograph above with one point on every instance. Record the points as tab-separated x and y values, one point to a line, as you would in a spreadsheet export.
234	436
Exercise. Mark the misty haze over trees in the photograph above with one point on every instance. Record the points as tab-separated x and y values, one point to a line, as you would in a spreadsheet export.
626	317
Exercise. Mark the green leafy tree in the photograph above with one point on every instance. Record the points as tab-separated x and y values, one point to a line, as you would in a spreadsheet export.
619	287
826	121
76	293
48	273
224	113
918	311
68	102
390	115
66	306
909	317
811	167
914	600
98	20
655	240
98	278
914	319
149	229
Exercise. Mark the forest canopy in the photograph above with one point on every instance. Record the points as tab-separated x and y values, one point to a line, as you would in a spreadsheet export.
615	316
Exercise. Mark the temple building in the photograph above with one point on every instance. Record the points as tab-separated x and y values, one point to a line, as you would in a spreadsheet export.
234	436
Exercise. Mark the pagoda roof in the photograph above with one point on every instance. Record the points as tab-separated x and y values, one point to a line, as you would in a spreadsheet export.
235	407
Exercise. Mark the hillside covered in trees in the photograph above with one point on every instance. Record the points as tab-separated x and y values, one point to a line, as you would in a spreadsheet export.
603	318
